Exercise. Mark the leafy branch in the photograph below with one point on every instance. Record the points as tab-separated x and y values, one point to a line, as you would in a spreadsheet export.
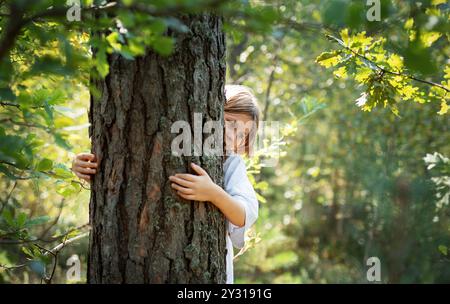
382	73
38	254
382	69
17	19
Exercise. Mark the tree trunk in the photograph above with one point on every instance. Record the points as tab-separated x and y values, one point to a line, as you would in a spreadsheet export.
142	232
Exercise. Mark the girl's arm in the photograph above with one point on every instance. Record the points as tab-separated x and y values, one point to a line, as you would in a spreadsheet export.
202	188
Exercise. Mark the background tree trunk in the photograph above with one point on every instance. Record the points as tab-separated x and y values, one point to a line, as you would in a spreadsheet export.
141	231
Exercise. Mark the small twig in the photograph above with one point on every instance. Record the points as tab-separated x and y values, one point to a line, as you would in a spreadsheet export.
4	104
271	80
12	267
66	242
55	221
16	105
50	240
48	280
308	26
25	124
5	202
55	251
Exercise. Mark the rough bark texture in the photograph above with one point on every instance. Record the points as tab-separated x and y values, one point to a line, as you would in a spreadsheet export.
142	232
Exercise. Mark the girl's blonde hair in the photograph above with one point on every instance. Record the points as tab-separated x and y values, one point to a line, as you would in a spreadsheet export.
241	100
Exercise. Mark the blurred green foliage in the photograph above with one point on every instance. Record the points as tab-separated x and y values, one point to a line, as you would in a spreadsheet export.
352	180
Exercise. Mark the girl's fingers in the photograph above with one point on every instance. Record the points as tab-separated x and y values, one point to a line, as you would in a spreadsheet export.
181	181
83	176
85	170
86	156
198	169
182	189
185	176
188	197
85	164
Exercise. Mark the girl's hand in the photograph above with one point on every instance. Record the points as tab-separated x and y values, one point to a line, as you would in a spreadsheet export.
84	164
194	187
202	188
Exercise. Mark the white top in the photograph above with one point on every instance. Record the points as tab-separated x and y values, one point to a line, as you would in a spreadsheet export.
237	185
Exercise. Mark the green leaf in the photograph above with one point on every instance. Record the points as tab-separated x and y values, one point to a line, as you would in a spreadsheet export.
44	165
163	45
7	94
261	198
135	47
396	62
444	108
21	219
37	221
7	216
328	59
101	63
443	249
341	72
67	190
61	141
73	233
113	40
363	74
159	26
28	252
63	173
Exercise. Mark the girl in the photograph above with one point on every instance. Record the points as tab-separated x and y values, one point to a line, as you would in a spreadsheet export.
237	201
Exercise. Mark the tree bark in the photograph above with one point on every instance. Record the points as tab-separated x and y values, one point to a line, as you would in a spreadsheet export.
142	232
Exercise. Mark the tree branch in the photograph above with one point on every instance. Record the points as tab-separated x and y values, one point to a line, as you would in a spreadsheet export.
16	105
12	267
12	30
55	221
50	240
60	246
50	173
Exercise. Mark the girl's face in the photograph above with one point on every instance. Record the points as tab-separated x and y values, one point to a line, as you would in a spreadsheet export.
237	127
